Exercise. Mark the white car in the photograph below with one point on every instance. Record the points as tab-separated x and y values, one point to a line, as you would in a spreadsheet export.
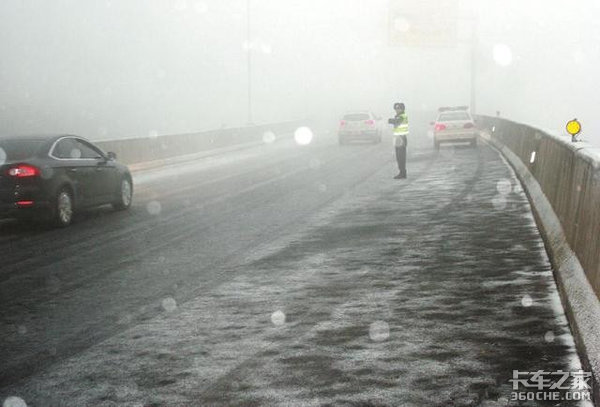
360	126
454	124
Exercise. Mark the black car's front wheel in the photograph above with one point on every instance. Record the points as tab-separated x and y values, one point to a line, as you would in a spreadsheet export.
63	208
125	195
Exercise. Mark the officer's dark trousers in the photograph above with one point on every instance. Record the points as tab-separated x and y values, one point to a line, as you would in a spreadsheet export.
401	157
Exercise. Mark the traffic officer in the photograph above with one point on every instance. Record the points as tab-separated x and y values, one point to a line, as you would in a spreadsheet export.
400	122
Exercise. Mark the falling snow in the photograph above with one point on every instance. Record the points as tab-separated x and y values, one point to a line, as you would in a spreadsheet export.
75	153
379	331
504	187
532	158
14	402
154	208
278	318
502	54
269	137
527	301
169	304
303	136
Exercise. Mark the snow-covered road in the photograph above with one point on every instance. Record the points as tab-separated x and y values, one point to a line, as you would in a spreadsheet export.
288	276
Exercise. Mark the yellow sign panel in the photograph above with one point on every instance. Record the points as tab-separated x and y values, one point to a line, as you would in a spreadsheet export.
573	127
422	23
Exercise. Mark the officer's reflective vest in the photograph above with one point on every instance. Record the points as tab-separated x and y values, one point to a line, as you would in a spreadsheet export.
401	127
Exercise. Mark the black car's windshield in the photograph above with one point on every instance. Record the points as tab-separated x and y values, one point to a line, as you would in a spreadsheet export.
14	150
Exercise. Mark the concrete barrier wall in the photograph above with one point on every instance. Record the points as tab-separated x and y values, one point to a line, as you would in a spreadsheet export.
562	182
137	150
569	176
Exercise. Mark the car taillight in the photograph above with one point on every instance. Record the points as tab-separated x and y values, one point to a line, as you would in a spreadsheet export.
342	123
370	122
439	127
469	126
23	170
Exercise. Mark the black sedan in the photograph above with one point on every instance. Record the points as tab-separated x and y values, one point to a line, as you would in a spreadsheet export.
54	176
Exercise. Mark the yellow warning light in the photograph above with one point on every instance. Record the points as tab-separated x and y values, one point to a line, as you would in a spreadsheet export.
573	127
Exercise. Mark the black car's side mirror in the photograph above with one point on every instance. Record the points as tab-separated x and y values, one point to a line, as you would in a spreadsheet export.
111	155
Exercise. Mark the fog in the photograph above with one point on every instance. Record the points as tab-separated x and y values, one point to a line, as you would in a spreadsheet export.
553	76
115	69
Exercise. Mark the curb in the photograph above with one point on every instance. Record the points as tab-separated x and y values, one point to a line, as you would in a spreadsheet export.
577	295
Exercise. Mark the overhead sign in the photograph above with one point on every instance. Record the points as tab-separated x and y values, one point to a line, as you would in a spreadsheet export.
423	23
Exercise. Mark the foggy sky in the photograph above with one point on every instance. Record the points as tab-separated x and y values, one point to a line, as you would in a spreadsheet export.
553	76
113	69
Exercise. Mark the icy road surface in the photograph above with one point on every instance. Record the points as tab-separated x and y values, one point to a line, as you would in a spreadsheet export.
287	276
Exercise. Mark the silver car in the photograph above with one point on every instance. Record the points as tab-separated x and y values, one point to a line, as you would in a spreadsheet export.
454	124
360	126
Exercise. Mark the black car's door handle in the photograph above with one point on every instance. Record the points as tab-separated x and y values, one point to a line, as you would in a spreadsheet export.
72	169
